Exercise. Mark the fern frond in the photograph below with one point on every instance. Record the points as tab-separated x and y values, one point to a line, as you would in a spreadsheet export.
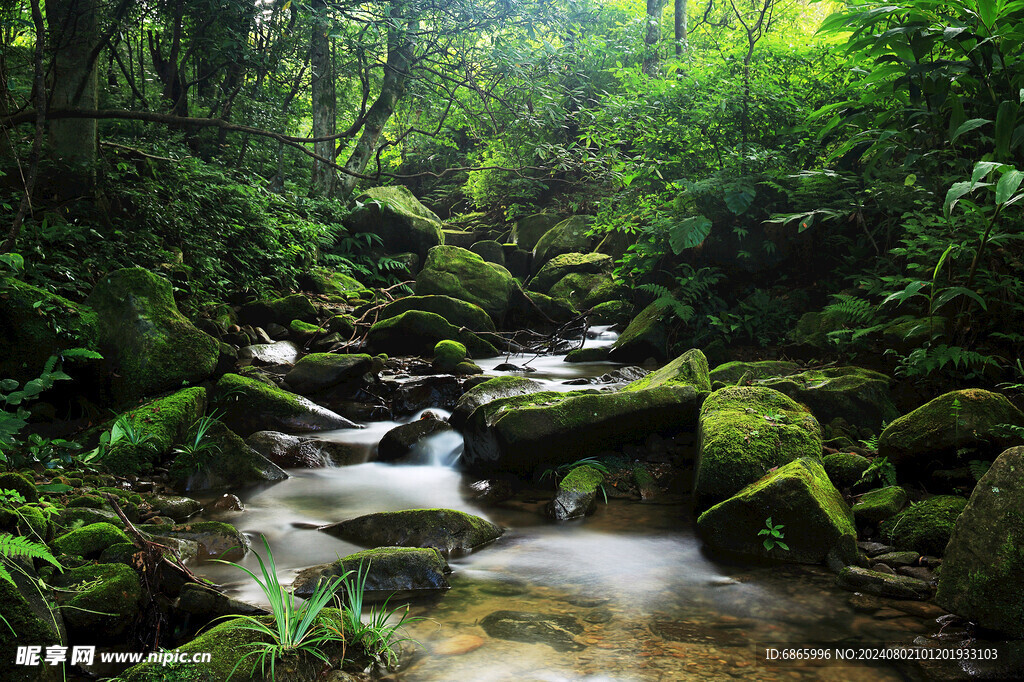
850	310
14	546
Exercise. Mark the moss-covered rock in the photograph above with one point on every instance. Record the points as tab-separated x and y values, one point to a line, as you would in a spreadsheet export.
31	520
103	603
731	373
446	530
336	285
527	231
844	469
925	526
395	215
689	368
166	420
304	330
30	622
612	312
342	324
252	406
521	433
322	371
876	506
467	368
584	291
569	263
176	507
592	354
448	354
216	540
73	517
416	333
490	250
227	462
938	431
902	587
278	311
150	345
35	324
19	483
799	497
645	337
576	495
488	391
745	431
454	311
403	570
90	541
551	309
568	236
462	274
984	560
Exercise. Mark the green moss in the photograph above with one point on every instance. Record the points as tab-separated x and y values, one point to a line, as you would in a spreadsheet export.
568	236
582	479
569	263
304	328
845	468
462	274
342	324
645	337
731	372
28	624
105	602
90	541
417	332
527	231
395	215
744	432
456	312
230	462
167	420
878	505
612	312
585	290
335	284
555	309
689	368
593	354
215	539
926	526
153	347
448	354
12	480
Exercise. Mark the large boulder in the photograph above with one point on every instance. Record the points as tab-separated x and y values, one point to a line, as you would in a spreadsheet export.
876	506
488	391
104	604
584	291
645	337
321	371
35	324
150	345
738	371
744	432
416	332
955	424
457	312
165	421
526	232
569	236
389	570
448	531
89	541
689	368
984	560
293	452
797	496
569	263
278	311
251	406
522	433
227	462
215	540
462	274
925	526
398	218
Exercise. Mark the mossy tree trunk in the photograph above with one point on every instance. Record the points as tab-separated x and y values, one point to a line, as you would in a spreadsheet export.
652	37
324	99
681	27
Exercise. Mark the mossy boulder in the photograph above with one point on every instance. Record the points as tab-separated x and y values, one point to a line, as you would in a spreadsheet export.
228	462
250	405
449	531
489	391
456	312
408	440
216	540
150	345
521	433
526	232
416	332
981	571
30	622
612	312
175	507
322	371
731	373
90	541
167	421
280	311
569	236
798	496
104	604
305	330
690	368
844	469
592	354
876	506
19	483
569	263
576	495
549	308
448	354
395	215
940	430
867	581
403	570
28	519
584	291
83	516
467	368
744	432
336	285
925	526
30	318
490	250
645	337
462	274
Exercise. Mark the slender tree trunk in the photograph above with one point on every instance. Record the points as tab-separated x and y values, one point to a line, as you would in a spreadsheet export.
396	71
680	26
73	33
324	100
652	36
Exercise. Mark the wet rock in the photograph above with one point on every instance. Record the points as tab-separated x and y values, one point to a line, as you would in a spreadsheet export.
569	263
557	631
280	353
216	540
577	494
509	367
416	333
983	564
645	337
228	502
595	354
488	391
229	461
252	406
874	548
919	572
699	633
285	451
446	530
89	541
440	391
174	506
895	559
321	371
207	603
857	579
408	440
105	605
403	570
844	469
25	606
456	312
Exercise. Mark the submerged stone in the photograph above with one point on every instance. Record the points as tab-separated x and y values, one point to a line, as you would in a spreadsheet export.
556	630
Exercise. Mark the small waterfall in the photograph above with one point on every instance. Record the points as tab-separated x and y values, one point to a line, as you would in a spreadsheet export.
439	450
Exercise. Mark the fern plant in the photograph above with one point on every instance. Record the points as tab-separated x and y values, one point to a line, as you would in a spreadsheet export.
18	547
880	470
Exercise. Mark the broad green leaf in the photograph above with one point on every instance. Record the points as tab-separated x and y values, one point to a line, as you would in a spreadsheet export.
968	126
1006	121
688	233
987	12
958	190
740	198
1007	185
982	170
949	294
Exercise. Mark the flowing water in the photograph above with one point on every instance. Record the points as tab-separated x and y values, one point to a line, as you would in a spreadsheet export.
626	594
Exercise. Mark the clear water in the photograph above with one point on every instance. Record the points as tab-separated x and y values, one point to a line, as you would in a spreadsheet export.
650	605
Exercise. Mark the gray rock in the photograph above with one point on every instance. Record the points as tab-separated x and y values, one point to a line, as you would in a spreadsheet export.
403	441
402	570
280	353
174	506
857	579
446	530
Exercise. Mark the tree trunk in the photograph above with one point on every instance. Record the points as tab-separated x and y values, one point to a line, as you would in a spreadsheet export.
396	71
73	33
651	63
680	26
324	100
